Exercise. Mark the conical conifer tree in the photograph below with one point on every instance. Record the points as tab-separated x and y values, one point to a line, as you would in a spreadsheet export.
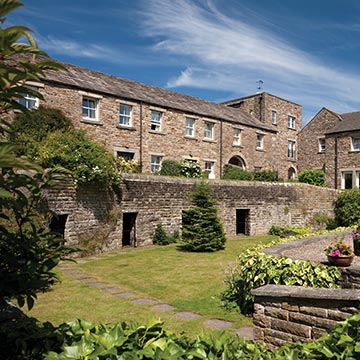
202	229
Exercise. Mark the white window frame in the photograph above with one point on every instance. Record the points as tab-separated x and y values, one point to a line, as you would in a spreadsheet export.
209	130
357	182
189	127
89	110
274	117
209	167
355	143
125	117
291	149
156	161
237	137
322	145
30	101
291	122
156	121
260	141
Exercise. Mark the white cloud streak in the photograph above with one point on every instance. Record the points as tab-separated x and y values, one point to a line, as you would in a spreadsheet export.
230	54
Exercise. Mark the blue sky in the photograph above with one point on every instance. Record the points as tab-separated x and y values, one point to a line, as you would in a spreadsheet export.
305	51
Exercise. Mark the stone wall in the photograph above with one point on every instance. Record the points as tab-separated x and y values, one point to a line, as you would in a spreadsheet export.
294	313
254	206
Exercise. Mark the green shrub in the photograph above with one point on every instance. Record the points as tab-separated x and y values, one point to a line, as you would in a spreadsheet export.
160	236
202	229
288	231
170	168
89	162
128	166
347	207
312	177
255	269
232	172
266	176
191	169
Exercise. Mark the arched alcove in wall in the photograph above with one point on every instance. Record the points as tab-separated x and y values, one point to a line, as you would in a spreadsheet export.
291	173
238	161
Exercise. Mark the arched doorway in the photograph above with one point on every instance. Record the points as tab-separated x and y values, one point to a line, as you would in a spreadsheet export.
238	161
291	174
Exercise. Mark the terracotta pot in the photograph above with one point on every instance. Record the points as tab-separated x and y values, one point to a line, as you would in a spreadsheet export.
356	246
340	260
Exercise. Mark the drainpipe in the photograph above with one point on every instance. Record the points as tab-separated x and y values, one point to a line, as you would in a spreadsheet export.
336	161
261	107
221	147
141	136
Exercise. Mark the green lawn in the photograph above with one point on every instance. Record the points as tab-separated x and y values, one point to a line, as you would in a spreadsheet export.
187	281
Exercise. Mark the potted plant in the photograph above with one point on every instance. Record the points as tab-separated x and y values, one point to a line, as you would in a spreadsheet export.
356	240
339	254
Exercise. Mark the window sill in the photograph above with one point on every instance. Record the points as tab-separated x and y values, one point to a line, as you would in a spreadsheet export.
321	152
190	137
92	122
292	129
124	127
210	140
292	160
354	151
238	146
157	132
260	149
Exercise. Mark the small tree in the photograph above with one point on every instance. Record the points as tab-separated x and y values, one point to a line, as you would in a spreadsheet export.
202	229
232	172
347	207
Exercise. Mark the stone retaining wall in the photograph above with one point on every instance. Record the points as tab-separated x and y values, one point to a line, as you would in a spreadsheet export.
161	200
294	313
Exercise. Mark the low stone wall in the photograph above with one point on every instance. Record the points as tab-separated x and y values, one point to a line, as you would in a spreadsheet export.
294	313
157	200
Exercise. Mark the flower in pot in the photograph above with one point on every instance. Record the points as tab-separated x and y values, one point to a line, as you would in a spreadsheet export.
339	254
356	240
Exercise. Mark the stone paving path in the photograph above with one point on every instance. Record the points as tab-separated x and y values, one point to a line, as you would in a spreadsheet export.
156	305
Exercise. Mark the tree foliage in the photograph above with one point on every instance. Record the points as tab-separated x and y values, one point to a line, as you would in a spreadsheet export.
202	229
347	207
28	250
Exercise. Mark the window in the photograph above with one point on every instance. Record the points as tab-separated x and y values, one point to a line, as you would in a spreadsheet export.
259	141
237	137
208	130
125	115
347	180
273	117
156	120
29	101
355	143
291	122
291	149
156	163
322	144
358	179
89	108
125	155
190	127
209	167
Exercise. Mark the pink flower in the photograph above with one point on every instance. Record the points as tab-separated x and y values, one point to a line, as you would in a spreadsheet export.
336	253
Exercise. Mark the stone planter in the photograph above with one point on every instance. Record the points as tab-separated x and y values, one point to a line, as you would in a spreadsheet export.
340	260
356	246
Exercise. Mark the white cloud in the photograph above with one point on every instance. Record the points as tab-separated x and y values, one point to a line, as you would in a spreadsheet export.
229	53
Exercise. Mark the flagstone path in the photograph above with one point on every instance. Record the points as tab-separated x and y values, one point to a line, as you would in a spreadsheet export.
154	304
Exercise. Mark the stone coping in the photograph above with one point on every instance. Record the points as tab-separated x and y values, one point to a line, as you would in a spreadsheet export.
300	292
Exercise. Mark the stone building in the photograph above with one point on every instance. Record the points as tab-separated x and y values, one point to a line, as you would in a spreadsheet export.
331	142
149	124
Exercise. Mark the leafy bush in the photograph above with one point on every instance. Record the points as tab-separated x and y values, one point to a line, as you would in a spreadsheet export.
190	169
161	237
170	168
255	269
202	229
89	163
232	172
32	128
347	207
312	177
266	176
287	231
128	166
80	339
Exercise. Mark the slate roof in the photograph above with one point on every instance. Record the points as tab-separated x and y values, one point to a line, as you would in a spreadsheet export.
101	83
350	122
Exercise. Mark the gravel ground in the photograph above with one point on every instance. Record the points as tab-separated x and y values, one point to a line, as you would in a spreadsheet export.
312	248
